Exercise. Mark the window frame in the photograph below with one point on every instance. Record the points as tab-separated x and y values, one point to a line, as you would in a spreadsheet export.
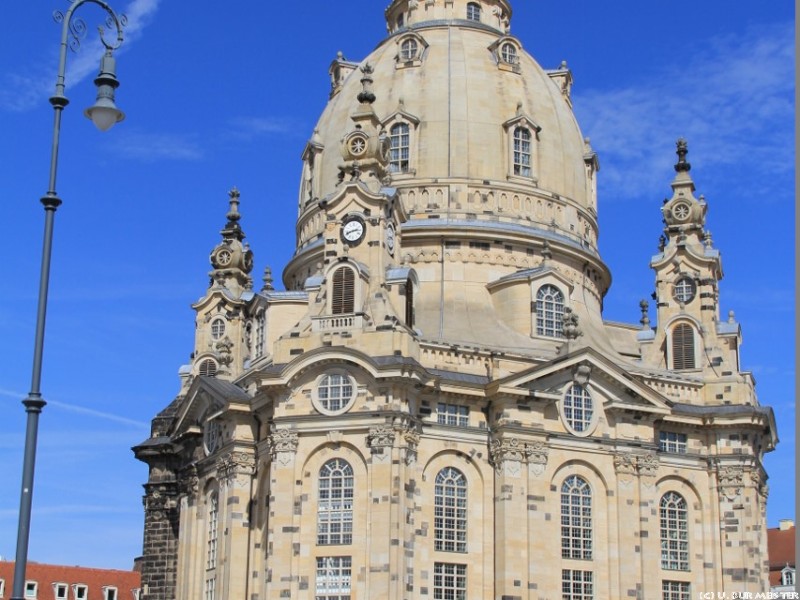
522	158
674	532
400	148
35	589
578	409
335	520
675	590
57	587
321	397
452	415
333	569
577	584
672	442
80	591
474	12
110	592
450	511
550	312
577	537
508	53
455	581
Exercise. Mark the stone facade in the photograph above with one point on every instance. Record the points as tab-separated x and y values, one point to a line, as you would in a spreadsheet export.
434	407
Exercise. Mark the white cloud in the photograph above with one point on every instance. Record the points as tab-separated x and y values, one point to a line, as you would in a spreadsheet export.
732	99
76	408
150	147
22	92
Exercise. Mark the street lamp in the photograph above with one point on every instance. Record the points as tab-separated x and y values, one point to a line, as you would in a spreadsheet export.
104	114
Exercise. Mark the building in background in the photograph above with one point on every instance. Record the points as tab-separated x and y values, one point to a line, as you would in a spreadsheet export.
434	406
782	566
57	582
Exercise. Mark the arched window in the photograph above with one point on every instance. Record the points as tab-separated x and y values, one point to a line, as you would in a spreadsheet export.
343	296
674	532
683	347
578	408
409	303
576	518
473	11
335	507
408	49
522	152
208	368
212	531
549	311
508	52
400	145
217	328
450	511
787	576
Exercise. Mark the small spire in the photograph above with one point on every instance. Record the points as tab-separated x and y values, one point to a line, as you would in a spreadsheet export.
731	317
232	228
366	96
644	305
267	279
683	149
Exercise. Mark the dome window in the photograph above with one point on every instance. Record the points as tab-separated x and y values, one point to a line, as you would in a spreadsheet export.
522	152
549	311
217	328
473	12
508	53
409	49
399	153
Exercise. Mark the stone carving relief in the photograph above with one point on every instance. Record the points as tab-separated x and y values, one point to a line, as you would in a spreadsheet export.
160	502
232	464
647	466
283	446
537	453
379	439
731	481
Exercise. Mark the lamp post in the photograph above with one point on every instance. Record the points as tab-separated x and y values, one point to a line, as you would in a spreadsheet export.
104	114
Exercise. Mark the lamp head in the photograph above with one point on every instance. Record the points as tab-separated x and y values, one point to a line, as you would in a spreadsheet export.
104	113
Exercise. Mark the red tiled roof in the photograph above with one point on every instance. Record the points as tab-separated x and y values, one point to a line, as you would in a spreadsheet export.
95	579
780	546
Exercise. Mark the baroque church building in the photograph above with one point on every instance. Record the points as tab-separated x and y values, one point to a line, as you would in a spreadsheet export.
434	408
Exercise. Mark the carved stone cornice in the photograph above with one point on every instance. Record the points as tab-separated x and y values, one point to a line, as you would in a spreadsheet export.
232	464
624	463
188	482
647	464
731	480
380	437
411	439
160	501
537	453
506	454
282	441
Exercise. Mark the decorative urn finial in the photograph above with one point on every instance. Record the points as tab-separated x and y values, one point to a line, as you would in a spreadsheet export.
682	164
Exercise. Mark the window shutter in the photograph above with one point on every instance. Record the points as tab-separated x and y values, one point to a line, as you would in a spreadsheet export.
409	303
683	347
208	368
343	296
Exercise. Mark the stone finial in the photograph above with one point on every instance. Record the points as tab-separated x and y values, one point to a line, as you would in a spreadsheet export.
546	253
232	228
366	96
731	317
644	305
267	279
707	240
683	149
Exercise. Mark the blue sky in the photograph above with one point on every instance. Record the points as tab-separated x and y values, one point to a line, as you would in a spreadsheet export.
226	95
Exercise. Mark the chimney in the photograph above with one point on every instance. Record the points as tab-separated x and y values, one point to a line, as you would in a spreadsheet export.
785	524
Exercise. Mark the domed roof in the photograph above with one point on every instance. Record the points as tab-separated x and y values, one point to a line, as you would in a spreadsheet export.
463	86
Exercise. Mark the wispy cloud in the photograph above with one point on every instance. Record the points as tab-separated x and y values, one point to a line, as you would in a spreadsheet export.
248	128
22	92
732	98
76	408
151	147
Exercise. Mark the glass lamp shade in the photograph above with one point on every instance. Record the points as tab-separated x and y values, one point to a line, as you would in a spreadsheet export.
104	115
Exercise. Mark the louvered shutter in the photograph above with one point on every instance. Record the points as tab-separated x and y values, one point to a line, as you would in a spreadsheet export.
343	296
683	347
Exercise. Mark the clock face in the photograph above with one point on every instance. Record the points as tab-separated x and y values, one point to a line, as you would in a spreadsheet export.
353	230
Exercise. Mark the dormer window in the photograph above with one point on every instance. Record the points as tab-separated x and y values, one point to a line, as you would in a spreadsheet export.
522	152
787	576
31	589
109	593
508	53
208	368
400	151
549	311
409	48
60	591
80	591
473	12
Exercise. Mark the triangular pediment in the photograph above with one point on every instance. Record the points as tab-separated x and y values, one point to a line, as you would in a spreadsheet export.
207	397
586	366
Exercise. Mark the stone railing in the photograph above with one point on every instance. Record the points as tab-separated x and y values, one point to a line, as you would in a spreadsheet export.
337	323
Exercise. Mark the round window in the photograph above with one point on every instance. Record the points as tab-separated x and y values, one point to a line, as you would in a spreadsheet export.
578	409
335	393
684	290
217	328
